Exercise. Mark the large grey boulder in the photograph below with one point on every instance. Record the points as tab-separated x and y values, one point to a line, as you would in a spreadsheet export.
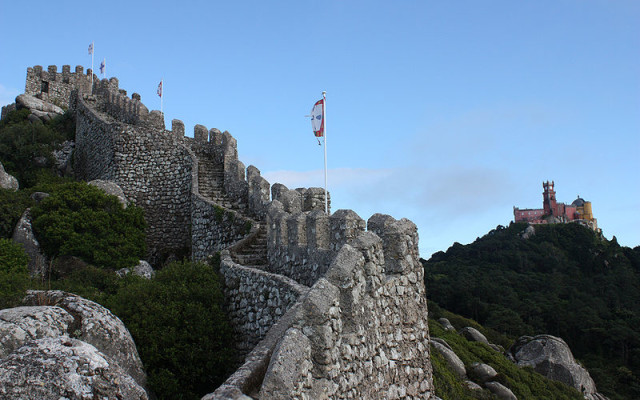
7	181
64	368
63	157
446	324
551	357
97	326
112	188
37	106
143	269
501	391
473	335
23	234
21	324
450	357
481	372
528	232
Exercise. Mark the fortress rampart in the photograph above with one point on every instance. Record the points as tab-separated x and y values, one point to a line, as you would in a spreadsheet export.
336	306
55	87
359	332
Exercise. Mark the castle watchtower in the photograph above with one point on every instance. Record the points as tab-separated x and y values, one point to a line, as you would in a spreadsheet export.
549	199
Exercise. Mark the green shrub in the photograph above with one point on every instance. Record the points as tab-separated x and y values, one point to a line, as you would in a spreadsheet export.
81	220
12	205
179	327
14	275
21	142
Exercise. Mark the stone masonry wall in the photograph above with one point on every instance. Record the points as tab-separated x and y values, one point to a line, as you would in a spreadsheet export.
214	228
56	87
364	334
360	332
302	244
153	169
257	299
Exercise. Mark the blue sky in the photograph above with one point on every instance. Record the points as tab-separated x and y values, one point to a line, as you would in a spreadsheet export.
446	113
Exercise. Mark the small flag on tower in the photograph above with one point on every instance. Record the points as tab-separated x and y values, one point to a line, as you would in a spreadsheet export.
91	48
103	65
160	89
317	118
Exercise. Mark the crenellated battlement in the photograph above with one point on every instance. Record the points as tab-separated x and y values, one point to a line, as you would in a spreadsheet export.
360	331
56	87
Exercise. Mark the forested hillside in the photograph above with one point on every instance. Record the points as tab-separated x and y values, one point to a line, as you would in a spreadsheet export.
565	280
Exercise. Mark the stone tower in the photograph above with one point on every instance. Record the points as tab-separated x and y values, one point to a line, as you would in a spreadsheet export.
549	198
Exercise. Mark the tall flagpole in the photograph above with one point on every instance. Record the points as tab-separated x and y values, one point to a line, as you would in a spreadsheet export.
324	116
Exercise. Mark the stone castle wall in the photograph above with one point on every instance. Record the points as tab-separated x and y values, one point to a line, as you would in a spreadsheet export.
340	309
152	168
359	332
55	87
214	228
257	299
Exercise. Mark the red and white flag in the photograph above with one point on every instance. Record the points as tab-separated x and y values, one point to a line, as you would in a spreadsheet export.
317	118
160	89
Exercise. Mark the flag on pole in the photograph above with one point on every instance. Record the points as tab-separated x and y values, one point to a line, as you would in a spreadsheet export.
317	118
91	48
160	89
103	65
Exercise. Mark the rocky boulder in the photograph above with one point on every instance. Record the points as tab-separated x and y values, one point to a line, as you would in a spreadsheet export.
450	356
23	234
63	157
551	357
446	324
7	181
40	108
21	324
481	372
64	368
501	391
473	335
143	269
61	346
97	326
39	196
111	188
528	232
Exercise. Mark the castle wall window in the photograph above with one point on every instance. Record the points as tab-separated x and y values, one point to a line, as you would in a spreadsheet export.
45	87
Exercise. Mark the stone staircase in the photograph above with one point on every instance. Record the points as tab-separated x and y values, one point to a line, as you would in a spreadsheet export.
211	184
252	252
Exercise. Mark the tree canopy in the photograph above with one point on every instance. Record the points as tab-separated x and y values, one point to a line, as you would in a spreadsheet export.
566	281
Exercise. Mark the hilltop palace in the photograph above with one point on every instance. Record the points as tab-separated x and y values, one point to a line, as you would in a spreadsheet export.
553	212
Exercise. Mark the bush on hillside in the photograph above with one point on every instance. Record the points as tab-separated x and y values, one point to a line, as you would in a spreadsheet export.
23	142
12	205
179	327
83	221
14	275
525	383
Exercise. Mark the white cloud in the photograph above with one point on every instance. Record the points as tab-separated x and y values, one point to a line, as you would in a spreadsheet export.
337	178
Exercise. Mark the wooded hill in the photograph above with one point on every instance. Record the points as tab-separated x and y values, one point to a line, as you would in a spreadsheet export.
565	280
